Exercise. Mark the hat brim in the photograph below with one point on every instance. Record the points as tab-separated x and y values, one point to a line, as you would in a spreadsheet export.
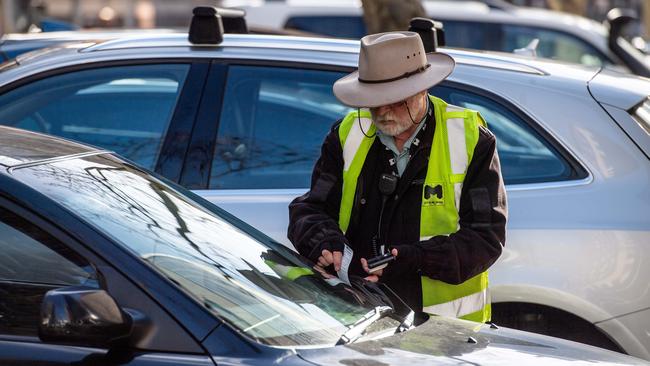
350	91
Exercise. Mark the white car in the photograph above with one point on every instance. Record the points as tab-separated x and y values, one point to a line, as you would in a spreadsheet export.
472	25
241	123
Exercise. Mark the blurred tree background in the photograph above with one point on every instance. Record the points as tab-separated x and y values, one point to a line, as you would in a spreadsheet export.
390	15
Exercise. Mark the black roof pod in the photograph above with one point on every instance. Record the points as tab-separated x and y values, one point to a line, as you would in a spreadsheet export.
617	19
431	32
233	20
206	26
209	24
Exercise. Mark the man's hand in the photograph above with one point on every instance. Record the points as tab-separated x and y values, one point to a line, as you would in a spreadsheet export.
374	276
328	258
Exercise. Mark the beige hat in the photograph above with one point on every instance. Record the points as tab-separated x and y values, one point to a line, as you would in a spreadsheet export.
392	67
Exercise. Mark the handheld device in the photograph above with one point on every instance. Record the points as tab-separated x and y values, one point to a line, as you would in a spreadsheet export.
379	262
387	186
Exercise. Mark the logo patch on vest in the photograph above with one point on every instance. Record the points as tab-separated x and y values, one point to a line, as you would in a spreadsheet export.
433	196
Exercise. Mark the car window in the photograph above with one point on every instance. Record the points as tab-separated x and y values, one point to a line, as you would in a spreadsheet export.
526	157
339	26
125	109
32	263
552	44
472	35
507	37
272	125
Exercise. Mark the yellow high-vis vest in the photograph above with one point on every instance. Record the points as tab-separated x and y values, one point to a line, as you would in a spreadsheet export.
455	137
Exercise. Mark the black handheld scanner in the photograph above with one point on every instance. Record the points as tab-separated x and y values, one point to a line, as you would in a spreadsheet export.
379	262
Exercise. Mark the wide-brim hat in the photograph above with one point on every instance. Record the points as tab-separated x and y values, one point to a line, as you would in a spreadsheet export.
392	67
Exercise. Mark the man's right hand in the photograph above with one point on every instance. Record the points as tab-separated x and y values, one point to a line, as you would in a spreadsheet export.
327	258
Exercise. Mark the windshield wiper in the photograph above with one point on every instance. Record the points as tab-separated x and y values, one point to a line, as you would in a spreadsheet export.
356	330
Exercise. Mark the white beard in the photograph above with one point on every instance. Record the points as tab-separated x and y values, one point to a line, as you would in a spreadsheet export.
391	127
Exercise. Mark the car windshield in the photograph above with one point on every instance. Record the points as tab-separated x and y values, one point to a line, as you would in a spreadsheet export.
264	289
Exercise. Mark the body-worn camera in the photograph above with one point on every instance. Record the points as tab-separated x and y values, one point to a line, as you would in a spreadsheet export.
387	186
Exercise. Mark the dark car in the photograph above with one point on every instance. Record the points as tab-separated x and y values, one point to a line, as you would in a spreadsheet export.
102	263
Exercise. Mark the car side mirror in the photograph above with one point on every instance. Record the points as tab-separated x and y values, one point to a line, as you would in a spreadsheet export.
617	19
85	316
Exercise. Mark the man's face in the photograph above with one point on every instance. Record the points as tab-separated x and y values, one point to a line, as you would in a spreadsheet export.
393	119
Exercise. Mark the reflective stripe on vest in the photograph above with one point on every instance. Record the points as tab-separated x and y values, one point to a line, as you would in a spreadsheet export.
355	145
454	140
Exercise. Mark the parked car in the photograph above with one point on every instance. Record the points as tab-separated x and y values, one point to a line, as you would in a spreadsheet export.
476	25
104	263
241	123
14	44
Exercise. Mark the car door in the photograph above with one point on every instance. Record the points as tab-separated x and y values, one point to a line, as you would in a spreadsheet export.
141	110
36	258
270	127
528	154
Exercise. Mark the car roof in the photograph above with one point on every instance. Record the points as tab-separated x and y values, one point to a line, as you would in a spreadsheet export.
314	49
83	34
25	148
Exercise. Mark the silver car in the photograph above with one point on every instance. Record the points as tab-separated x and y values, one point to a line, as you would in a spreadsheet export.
241	123
480	25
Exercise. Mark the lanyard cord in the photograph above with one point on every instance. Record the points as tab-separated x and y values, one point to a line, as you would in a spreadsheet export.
361	127
409	111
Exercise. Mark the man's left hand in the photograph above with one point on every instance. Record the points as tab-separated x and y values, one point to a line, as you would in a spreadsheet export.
374	276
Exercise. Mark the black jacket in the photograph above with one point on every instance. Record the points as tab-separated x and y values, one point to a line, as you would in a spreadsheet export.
313	224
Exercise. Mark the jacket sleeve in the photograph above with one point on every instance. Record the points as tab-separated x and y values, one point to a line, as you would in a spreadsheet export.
313	217
481	237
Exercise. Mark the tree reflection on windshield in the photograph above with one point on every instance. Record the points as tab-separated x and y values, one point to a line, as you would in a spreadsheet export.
270	294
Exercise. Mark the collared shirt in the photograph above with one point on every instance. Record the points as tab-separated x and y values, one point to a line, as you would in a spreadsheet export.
401	158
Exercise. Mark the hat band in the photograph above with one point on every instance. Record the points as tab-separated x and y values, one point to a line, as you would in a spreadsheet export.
403	76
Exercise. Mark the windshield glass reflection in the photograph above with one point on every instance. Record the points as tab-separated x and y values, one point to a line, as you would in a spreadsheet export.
269	294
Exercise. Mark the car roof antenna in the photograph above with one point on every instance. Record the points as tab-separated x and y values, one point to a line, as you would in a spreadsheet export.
431	32
530	49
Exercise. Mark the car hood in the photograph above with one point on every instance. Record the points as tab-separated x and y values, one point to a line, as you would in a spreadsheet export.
444	341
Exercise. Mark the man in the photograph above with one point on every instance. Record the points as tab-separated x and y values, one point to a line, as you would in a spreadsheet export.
444	219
